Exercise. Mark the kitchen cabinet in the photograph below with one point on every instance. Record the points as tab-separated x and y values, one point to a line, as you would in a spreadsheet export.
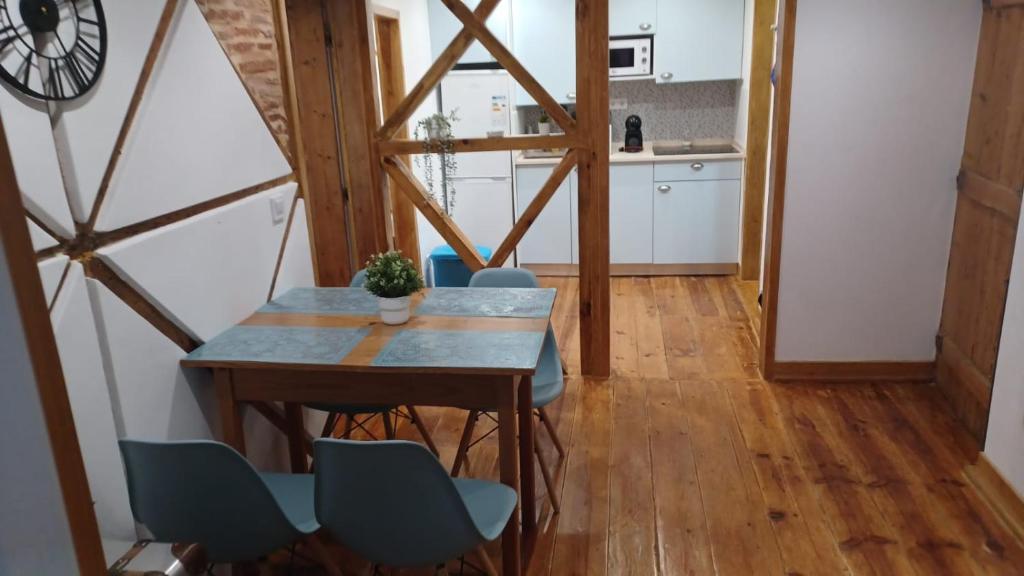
696	221
544	41
630	209
444	26
698	40
549	239
632	17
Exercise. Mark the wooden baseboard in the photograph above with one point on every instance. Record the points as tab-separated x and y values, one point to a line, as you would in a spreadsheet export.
998	494
852	371
639	269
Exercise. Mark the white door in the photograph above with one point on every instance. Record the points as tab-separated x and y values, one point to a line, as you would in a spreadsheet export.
544	41
444	26
549	239
698	40
630	211
483	210
696	222
480	101
632	17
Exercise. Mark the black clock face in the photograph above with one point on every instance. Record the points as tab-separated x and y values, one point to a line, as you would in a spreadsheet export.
52	49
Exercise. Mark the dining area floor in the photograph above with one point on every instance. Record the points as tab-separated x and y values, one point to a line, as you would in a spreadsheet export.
686	462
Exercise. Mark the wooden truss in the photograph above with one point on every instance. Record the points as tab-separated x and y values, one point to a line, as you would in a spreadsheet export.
586	140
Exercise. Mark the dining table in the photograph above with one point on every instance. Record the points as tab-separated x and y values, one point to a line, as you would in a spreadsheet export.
469	348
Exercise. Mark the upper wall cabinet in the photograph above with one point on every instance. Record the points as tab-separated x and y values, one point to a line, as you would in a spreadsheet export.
698	40
444	26
544	41
632	17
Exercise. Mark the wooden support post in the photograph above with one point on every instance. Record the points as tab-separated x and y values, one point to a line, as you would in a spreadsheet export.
314	133
592	130
758	118
354	71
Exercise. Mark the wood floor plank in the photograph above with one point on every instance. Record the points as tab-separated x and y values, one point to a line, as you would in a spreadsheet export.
625	358
650	342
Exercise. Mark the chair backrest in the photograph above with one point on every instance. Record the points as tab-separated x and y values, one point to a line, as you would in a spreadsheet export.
391	502
550	359
504	278
204	492
359	280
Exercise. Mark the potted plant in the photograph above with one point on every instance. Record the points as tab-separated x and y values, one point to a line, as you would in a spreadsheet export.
436	132
544	124
393	279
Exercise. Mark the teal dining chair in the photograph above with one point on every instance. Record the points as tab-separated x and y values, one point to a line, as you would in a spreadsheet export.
548	382
358	417
205	492
410	512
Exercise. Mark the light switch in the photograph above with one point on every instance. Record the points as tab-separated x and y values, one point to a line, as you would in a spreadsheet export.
277	209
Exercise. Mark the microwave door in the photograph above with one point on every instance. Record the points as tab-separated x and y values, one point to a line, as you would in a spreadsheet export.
622	60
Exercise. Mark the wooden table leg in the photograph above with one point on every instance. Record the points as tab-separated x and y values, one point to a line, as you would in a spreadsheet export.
296	433
511	550
527	484
230	410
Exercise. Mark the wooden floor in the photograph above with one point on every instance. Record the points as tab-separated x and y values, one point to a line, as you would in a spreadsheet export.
685	462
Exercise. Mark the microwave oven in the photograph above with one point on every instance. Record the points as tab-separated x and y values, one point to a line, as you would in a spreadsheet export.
630	56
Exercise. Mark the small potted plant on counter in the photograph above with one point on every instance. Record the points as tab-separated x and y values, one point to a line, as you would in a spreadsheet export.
393	279
544	124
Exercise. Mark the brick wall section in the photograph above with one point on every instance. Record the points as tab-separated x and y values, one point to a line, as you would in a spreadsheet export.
245	29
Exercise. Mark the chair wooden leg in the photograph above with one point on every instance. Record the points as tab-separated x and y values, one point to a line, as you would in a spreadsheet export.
348	427
467	437
323	555
549	482
332	420
485	561
551	432
427	439
389	428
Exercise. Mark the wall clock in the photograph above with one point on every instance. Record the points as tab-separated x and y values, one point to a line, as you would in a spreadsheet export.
52	49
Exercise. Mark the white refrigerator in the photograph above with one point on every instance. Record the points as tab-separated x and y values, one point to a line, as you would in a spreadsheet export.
483	206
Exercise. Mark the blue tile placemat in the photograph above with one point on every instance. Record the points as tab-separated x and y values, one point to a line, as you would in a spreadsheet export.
455	349
281	344
496	302
329	301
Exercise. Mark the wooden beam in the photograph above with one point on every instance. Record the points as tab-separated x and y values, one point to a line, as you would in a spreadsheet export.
46	368
315	129
449	230
479	30
445	61
392	90
533	210
354	71
592	131
993	195
522	142
758	128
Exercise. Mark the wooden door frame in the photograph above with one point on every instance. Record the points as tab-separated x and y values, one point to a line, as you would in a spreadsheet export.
49	375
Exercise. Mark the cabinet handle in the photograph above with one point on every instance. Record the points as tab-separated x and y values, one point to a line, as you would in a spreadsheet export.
664	188
571	95
698	166
645	26
666	75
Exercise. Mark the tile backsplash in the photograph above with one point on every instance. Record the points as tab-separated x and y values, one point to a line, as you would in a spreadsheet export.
685	111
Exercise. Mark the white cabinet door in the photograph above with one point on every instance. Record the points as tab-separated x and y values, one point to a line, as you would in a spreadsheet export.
696	222
549	239
544	41
574	214
483	209
630	211
444	26
632	17
698	40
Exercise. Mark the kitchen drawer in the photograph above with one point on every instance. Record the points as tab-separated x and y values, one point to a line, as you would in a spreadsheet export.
699	170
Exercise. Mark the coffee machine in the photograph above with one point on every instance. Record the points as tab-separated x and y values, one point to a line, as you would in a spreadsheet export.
634	135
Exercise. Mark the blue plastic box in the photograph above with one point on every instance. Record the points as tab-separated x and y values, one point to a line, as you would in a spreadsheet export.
447	268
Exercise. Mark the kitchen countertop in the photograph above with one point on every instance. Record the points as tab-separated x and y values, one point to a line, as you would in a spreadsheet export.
647	156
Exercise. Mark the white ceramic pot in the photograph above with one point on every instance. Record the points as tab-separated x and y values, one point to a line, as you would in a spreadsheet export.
394	311
544	128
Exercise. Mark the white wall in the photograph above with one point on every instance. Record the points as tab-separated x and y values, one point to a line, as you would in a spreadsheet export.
880	100
743	94
1006	419
34	534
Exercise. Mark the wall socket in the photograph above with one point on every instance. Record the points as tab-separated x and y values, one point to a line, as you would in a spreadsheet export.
618	104
278	212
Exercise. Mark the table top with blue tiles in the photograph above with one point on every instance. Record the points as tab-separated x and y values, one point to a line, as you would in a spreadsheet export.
458	330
